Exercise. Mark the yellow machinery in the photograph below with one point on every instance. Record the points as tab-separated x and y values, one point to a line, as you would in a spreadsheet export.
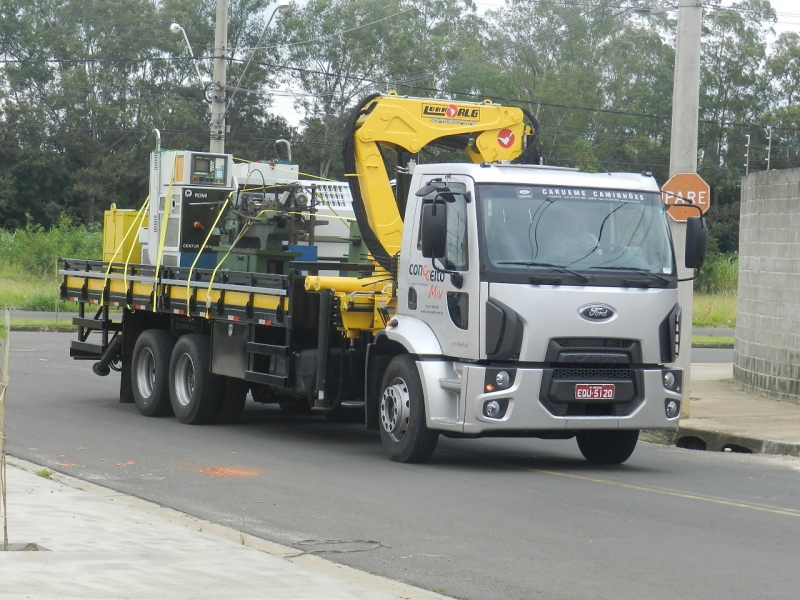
488	132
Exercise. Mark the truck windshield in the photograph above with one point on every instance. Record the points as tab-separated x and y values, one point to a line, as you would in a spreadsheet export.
579	231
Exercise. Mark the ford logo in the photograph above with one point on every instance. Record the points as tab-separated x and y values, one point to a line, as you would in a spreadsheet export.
596	312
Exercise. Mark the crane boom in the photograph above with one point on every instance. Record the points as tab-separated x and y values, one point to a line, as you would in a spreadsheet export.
488	132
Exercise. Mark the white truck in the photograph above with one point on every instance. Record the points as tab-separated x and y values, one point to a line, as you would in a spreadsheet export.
497	299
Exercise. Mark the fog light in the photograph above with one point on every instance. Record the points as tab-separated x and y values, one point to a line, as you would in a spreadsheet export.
502	379
492	409
673	408
669	380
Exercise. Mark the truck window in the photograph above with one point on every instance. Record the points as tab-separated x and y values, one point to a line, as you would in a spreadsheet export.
456	252
457	246
582	229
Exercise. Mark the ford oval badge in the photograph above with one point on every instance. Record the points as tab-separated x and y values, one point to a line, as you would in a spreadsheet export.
596	312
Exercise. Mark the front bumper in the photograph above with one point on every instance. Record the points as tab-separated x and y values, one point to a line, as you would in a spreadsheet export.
455	397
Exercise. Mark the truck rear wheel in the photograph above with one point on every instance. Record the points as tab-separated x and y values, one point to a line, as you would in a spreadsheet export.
404	433
150	372
607	447
193	389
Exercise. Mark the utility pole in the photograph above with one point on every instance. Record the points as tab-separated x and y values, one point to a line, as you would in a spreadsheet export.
683	158
769	146
217	125
747	156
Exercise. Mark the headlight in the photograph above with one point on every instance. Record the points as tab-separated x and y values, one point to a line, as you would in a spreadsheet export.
498	379
502	379
672	379
669	379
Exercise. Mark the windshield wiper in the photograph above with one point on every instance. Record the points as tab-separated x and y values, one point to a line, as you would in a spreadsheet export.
661	278
554	267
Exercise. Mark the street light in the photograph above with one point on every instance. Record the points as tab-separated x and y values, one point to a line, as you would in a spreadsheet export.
280	7
176	28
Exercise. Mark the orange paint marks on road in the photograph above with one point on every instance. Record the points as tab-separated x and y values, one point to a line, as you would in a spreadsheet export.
123	465
66	464
227	471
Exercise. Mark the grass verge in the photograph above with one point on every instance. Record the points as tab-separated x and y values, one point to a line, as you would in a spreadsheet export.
27	292
39	325
712	341
714	310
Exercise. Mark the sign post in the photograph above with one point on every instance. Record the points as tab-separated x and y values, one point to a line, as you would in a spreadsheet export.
682	193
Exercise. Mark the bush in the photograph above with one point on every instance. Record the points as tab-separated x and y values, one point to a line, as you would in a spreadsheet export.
35	250
45	302
719	275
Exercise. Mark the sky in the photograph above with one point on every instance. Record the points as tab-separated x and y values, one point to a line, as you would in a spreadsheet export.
788	13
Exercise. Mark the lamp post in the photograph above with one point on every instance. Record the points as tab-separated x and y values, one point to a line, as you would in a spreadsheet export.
176	28
219	107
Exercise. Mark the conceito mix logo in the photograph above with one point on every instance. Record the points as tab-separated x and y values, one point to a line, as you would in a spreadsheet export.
451	111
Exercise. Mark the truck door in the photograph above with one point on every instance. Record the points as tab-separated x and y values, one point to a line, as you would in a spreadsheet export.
444	293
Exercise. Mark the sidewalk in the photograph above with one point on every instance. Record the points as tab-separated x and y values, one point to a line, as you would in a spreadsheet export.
97	543
722	416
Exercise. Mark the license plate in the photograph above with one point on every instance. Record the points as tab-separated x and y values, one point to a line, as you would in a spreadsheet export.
594	391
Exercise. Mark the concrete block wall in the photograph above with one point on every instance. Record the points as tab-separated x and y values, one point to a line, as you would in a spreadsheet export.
766	355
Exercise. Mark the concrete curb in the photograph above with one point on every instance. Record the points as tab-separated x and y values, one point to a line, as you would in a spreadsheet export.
696	438
721	441
717	346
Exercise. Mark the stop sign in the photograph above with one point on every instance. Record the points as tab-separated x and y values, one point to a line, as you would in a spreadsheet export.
682	190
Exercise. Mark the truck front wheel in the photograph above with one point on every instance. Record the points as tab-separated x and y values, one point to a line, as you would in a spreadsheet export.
404	433
611	447
193	389
150	372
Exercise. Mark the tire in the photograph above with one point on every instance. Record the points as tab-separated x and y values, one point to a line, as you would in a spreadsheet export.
404	433
193	389
607	447
232	400
150	372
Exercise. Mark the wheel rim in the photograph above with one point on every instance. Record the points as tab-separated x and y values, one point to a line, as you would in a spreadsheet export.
396	409
184	380
146	373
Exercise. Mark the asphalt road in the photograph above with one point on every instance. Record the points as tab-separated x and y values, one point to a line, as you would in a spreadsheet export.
485	519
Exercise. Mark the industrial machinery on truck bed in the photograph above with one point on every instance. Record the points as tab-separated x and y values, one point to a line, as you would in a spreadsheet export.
499	297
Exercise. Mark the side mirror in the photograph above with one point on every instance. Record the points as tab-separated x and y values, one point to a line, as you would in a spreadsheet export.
434	229
696	241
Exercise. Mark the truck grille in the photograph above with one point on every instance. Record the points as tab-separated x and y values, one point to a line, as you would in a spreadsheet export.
592	360
587	375
618	344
